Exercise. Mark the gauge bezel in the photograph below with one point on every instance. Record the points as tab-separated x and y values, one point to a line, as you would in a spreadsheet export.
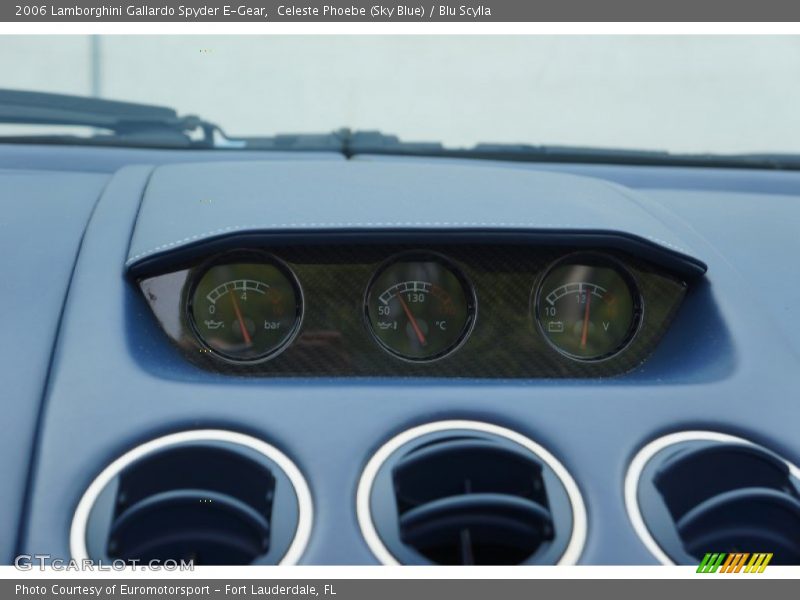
466	285
248	256
599	259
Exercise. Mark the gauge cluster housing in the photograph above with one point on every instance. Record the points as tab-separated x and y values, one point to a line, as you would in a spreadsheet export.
502	339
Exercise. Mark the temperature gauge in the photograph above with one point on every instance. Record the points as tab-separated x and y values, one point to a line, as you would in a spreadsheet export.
588	307
246	310
420	307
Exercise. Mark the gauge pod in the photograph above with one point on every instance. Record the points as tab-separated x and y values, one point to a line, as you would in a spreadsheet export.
420	307
588	306
245	306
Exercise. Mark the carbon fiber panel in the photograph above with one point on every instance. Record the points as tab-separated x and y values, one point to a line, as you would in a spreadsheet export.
334	339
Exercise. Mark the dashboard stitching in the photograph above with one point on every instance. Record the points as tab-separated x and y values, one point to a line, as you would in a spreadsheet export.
232	228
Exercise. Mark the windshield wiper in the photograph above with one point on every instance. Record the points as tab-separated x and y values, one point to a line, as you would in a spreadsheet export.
372	142
130	124
351	143
144	125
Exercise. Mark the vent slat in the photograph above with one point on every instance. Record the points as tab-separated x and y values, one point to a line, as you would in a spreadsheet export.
472	499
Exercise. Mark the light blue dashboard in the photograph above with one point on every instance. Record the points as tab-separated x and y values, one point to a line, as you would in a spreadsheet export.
89	374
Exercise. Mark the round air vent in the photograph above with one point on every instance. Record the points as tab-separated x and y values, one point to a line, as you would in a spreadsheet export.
699	492
469	493
209	496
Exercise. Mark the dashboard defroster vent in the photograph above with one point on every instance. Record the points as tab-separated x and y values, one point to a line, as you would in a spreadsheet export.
470	495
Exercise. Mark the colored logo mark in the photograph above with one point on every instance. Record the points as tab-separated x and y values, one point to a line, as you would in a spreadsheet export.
735	562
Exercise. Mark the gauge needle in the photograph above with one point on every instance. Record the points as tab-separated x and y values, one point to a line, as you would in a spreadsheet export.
414	324
585	331
242	326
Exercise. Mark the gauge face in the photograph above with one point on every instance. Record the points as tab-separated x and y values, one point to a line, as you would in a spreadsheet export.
420	307
588	307
246	310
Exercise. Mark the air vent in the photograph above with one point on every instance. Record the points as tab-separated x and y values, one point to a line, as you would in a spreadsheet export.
468	493
700	492
211	497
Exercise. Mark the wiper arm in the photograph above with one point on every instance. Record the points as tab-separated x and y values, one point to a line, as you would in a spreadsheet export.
372	142
130	122
352	143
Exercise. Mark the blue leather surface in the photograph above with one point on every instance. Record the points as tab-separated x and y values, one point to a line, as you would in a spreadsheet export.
761	181
756	235
729	362
43	219
87	339
186	205
109	160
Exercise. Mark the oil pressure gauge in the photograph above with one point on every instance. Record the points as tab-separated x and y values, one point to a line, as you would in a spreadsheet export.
245	307
420	307
588	306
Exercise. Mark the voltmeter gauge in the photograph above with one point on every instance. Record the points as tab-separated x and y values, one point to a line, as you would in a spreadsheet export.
420	307
246	307
588	307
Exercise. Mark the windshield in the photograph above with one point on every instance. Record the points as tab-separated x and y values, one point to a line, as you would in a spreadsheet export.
682	94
